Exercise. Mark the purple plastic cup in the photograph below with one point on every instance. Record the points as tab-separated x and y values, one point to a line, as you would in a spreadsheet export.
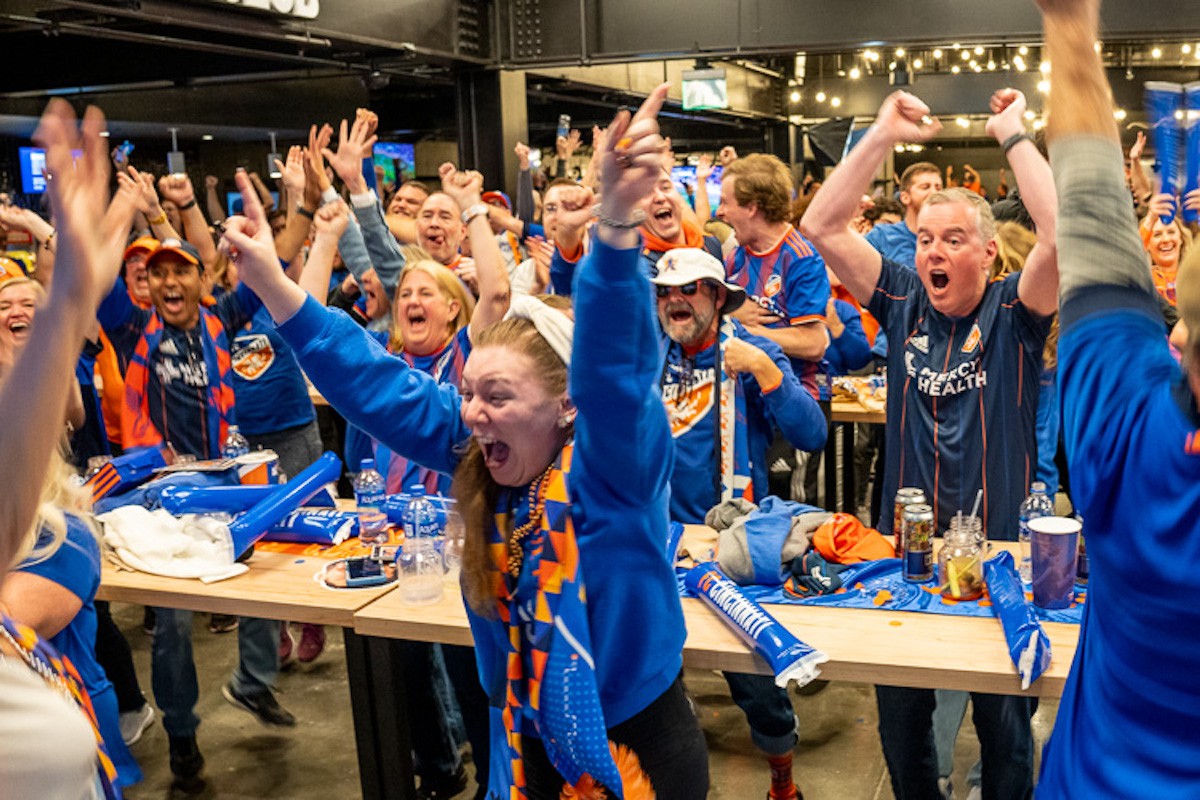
1055	543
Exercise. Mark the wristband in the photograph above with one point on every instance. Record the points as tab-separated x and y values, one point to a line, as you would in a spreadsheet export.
639	217
188	204
304	212
477	210
159	220
1014	140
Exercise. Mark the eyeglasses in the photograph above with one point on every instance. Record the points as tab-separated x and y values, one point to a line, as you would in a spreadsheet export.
687	289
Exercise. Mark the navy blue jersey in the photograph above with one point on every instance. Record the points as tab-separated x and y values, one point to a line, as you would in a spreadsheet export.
272	395
962	399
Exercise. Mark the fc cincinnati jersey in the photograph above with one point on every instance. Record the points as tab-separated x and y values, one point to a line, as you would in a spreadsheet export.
962	399
789	281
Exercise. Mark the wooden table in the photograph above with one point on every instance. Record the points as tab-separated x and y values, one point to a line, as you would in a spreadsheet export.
900	648
844	412
281	586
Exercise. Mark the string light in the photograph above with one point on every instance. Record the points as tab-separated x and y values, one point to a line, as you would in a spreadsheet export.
1038	124
836	102
991	65
962	122
855	73
1044	67
937	53
1119	114
1156	52
899	52
795	97
1187	48
1019	63
917	63
1023	50
1029	115
978	50
1043	86
966	54
955	69
820	97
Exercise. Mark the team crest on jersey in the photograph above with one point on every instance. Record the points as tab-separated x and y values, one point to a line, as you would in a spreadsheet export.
252	356
688	404
774	285
920	343
972	339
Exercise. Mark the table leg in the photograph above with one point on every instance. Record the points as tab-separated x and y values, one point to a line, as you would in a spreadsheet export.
375	669
830	501
848	488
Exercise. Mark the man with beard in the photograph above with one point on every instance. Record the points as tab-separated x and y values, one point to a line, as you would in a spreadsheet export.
724	390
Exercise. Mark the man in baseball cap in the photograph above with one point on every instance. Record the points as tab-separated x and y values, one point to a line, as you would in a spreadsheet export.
719	382
135	268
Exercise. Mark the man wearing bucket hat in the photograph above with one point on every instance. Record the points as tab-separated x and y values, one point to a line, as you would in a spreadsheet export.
1133	445
179	392
724	390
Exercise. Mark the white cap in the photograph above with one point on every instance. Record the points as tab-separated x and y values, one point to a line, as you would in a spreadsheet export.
683	265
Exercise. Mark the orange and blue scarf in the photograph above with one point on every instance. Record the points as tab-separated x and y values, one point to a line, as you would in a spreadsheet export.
137	430
43	659
551	671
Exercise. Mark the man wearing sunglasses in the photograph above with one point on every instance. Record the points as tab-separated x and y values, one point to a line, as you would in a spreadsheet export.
724	390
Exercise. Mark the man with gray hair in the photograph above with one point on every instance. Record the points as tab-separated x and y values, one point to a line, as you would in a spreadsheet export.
1130	710
963	364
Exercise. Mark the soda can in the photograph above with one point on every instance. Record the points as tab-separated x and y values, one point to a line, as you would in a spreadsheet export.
259	468
918	543
908	496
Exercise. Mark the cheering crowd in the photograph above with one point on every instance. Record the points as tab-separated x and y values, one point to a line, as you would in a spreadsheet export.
583	366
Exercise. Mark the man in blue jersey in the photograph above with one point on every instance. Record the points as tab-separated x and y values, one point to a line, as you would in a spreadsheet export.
1127	725
898	241
963	363
724	389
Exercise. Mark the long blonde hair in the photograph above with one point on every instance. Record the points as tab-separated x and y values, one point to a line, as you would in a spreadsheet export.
473	486
449	285
1014	243
60	495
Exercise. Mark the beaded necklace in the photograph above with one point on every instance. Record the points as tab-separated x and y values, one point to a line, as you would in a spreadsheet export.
537	507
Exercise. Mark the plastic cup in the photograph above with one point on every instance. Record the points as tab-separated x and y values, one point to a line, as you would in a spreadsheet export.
1055	543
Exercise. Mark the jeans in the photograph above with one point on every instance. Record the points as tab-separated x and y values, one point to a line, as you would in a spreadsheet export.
768	709
664	735
1005	743
173	669
947	719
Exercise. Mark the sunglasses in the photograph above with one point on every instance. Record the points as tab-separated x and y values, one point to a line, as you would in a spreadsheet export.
687	289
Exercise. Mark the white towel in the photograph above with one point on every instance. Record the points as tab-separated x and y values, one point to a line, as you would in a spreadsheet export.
189	546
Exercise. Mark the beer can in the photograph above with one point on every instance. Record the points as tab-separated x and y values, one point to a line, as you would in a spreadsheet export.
918	543
908	496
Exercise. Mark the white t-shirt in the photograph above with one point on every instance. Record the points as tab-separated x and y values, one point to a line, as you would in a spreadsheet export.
49	747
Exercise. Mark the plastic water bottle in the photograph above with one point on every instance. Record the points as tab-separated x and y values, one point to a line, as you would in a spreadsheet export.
1037	504
235	444
369	491
419	564
454	537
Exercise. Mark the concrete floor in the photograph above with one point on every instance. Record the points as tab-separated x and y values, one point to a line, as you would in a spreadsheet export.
838	756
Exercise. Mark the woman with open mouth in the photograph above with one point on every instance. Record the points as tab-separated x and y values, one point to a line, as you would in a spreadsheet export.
562	478
1166	243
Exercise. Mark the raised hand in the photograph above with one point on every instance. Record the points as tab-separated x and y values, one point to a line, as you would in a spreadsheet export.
248	242
575	208
314	167
905	118
78	191
541	252
147	195
177	188
292	171
522	151
1161	205
630	162
331	219
727	156
565	146
1008	115
463	186
1139	144
353	147
211	182
704	169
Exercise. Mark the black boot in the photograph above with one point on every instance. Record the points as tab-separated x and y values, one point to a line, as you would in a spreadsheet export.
186	763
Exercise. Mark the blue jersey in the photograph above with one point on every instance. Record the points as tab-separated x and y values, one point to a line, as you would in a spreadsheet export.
272	394
962	399
1128	721
789	281
895	242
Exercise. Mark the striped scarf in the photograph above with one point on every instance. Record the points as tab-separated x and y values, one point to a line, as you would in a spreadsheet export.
59	673
551	671
137	430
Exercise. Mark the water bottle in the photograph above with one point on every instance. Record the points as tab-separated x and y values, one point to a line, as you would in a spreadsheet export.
1037	504
369	491
454	536
235	444
419	568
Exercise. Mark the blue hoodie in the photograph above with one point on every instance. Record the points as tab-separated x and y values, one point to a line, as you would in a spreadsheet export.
619	477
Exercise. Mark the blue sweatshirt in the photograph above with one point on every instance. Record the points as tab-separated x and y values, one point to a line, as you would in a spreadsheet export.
619	477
